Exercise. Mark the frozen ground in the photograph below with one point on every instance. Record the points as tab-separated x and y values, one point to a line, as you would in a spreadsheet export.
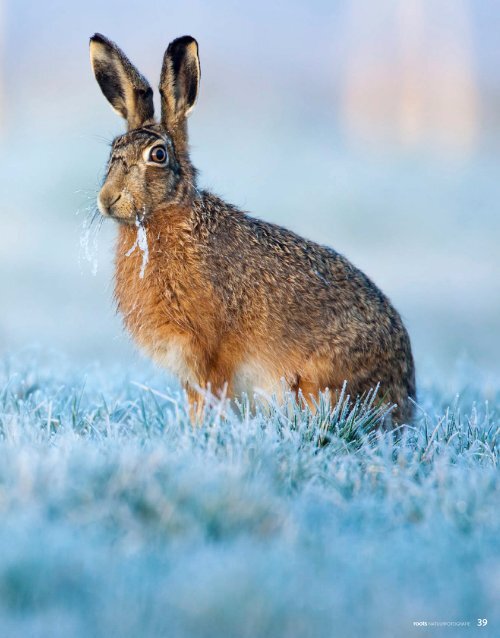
119	519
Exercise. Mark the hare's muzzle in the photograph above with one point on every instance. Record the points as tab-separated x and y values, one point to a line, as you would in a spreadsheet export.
106	200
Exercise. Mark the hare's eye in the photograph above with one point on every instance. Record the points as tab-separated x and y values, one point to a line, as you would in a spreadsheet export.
158	154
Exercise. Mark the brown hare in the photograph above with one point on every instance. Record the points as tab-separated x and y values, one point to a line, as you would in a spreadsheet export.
223	300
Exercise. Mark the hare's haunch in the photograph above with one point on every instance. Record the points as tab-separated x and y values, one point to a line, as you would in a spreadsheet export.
220	298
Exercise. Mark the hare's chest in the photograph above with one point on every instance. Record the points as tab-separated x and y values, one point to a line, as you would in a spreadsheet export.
158	335
152	326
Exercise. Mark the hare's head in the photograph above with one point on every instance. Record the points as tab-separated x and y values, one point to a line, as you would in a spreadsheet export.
149	165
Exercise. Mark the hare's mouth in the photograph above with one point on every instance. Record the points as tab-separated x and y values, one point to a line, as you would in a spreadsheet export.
111	211
126	221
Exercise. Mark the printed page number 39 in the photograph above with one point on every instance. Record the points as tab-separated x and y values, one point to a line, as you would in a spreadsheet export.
482	622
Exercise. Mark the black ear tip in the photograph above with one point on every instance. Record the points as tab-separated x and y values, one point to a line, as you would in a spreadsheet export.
101	39
187	39
182	43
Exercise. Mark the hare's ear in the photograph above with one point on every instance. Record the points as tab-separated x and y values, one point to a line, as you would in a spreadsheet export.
180	79
125	88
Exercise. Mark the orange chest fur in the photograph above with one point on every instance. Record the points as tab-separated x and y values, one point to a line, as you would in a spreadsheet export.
168	310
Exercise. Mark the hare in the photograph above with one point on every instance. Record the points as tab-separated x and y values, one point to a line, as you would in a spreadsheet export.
223	300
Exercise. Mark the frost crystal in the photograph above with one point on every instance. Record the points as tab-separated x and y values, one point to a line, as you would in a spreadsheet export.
88	238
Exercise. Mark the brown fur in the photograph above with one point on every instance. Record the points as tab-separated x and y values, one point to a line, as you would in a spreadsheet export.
229	301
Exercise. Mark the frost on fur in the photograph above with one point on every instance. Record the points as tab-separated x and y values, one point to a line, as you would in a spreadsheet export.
141	242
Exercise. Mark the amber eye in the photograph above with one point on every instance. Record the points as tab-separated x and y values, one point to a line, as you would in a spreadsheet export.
158	154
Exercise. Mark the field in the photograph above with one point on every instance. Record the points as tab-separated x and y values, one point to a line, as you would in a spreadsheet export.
120	519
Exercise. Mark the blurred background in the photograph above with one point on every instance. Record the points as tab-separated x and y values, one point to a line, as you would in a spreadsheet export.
369	126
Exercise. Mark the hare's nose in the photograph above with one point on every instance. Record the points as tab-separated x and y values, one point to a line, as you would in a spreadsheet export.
107	200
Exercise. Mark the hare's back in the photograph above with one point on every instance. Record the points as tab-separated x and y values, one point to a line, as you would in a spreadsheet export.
248	259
